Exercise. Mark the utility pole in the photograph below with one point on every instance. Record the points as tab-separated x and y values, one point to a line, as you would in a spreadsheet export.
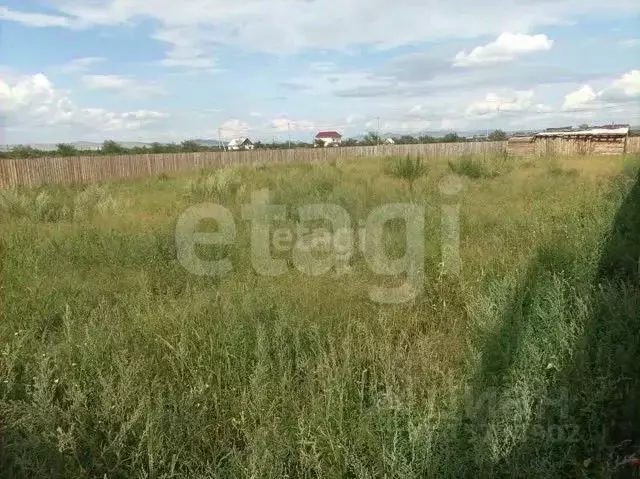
378	118
289	126
497	117
220	138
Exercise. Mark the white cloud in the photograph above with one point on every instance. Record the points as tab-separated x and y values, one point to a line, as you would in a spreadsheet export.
80	65
33	101
621	90
354	118
493	104
121	84
106	82
578	99
400	126
630	43
234	129
323	67
259	25
285	124
36	20
625	87
346	83
188	48
507	47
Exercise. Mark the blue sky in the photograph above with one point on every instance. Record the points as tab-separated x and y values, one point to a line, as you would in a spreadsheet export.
154	70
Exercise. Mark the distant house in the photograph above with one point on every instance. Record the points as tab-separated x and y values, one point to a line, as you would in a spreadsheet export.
240	144
329	138
389	141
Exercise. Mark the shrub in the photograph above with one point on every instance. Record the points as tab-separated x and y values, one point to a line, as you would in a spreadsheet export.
476	168
408	169
13	205
469	166
217	186
94	200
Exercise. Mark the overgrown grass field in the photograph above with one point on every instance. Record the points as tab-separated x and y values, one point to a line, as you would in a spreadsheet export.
116	362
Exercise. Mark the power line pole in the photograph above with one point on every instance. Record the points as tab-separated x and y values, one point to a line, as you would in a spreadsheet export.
220	138
378	118
289	127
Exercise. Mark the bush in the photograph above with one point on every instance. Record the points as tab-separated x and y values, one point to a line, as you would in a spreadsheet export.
92	201
469	166
408	169
477	168
226	181
45	207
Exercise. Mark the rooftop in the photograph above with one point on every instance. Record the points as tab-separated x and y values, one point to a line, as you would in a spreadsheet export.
328	134
608	130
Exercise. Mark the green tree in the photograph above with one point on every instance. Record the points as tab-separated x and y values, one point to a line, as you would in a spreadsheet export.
23	152
407	140
139	150
371	139
584	126
157	148
190	146
110	147
497	135
427	139
451	138
63	149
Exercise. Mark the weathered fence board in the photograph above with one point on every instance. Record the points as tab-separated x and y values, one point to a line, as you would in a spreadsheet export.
633	144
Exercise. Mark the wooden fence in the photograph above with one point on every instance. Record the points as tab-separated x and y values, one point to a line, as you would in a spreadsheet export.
633	144
93	169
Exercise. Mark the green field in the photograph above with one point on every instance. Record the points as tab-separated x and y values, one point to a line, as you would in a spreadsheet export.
116	362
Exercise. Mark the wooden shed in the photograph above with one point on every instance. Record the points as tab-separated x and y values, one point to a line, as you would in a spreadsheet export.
604	140
522	146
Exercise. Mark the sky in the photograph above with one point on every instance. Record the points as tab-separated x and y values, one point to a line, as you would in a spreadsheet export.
158	70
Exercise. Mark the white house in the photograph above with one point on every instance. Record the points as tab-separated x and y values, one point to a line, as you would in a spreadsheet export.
389	141
329	138
240	144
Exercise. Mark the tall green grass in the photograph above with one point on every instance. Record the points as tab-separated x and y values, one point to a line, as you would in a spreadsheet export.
116	362
476	167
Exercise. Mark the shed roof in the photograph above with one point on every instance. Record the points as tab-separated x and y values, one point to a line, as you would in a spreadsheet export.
597	131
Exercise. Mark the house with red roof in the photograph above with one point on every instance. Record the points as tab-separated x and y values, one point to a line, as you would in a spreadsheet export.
328	138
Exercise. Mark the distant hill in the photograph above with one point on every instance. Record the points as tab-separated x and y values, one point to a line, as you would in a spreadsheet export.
212	143
93	146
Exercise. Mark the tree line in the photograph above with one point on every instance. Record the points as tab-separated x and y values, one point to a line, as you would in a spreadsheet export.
112	148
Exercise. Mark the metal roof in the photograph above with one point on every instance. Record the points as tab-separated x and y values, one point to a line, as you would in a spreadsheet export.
598	131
